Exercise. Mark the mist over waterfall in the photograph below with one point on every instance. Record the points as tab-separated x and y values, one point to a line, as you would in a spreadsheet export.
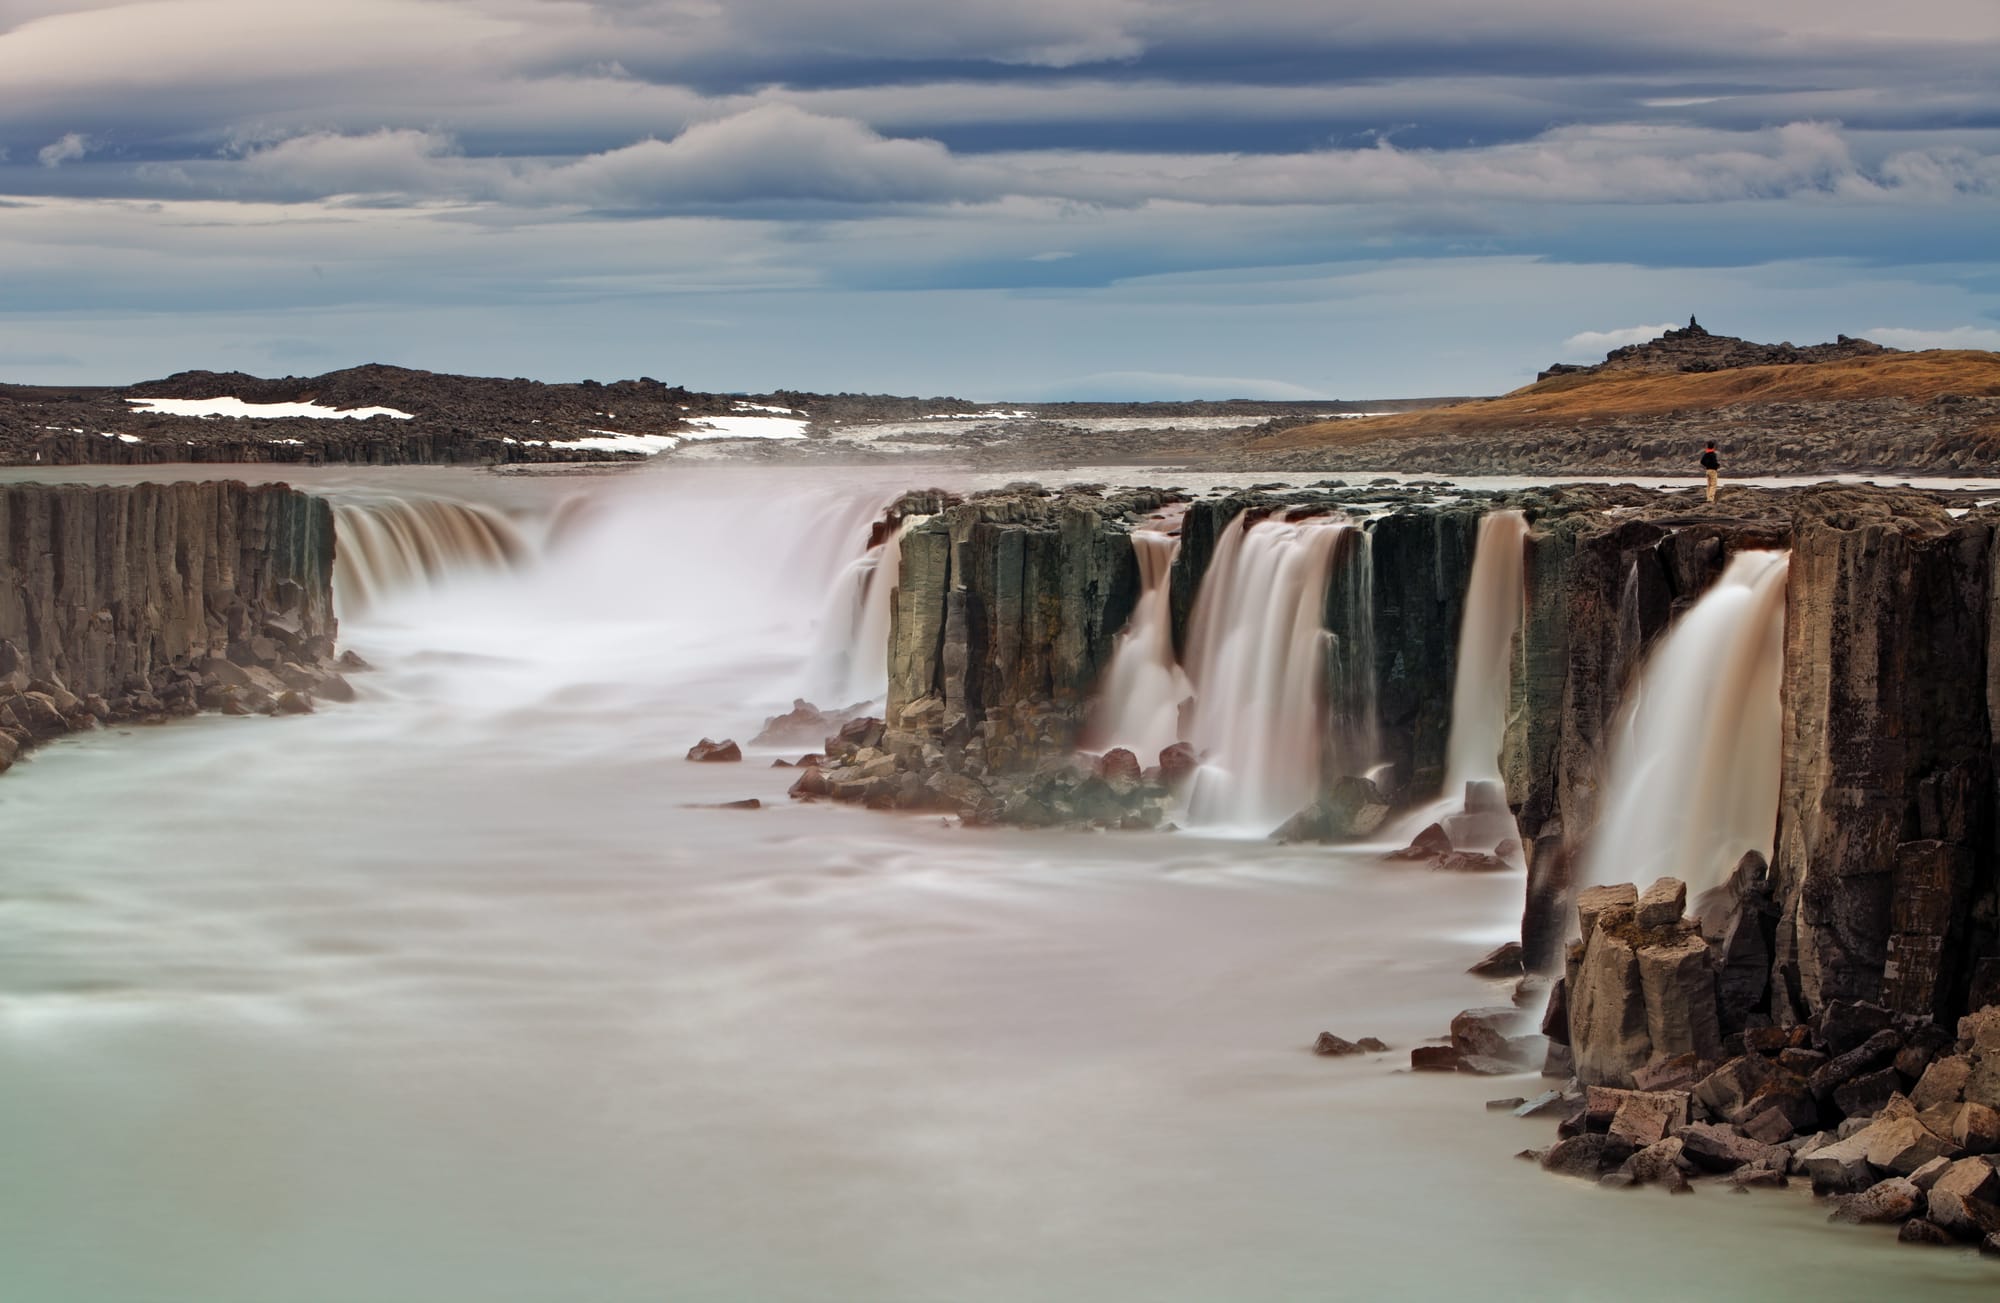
1694	770
397	544
1257	656
850	662
1138	703
1483	682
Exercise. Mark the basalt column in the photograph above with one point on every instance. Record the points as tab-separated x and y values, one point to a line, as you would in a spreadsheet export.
1886	801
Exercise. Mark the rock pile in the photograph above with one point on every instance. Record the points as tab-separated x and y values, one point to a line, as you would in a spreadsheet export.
1111	792
1679	1076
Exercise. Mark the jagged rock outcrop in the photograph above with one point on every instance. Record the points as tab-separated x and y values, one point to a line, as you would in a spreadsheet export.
151	600
1694	349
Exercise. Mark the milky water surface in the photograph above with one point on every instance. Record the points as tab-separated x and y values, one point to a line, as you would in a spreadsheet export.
457	993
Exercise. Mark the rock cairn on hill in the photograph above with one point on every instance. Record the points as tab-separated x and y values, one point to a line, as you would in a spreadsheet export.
1692	348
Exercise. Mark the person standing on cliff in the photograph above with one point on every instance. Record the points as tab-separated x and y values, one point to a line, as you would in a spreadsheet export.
1713	465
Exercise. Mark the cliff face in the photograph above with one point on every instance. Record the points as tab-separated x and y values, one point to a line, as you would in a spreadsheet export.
151	600
1887	796
1883	881
1004	617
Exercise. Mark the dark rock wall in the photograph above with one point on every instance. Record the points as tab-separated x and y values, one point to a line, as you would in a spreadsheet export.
1887	800
122	594
1005	616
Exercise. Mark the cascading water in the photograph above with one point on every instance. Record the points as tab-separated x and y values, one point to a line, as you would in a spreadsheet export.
1483	683
1257	656
1138	703
388	546
850	663
1694	771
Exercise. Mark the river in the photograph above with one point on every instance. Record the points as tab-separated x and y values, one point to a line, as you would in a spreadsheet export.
463	992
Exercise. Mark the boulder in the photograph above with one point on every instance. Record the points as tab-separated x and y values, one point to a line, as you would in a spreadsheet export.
1927	1176
1875	1052
1592	902
1943	1081
1726	1091
1503	961
1119	767
1893	1200
1577	1156
1433	843
1843	1024
1334	1046
1865	1095
1487	1031
1657	1164
1919	1231
1962	1199
1472	862
707	751
1434	1058
1647	1117
1662	904
1178	764
1724	1149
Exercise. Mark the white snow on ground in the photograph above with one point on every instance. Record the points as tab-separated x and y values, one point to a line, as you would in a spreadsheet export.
760	407
747	427
979	416
617	441
237	407
122	438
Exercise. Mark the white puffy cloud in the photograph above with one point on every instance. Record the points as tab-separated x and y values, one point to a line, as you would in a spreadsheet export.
66	149
1594	344
1983	337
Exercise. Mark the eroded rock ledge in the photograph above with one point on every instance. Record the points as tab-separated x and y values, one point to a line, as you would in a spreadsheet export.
156	600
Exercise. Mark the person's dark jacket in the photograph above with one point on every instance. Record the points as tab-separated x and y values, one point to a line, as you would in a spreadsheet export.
1710	462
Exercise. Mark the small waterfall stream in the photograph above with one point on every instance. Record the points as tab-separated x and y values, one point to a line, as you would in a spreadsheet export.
1257	656
1138	703
850	662
1693	778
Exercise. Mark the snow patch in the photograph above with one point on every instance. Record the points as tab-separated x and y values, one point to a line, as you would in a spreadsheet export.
747	427
237	407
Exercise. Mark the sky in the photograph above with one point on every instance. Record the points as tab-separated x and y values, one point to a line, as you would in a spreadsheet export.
1020	199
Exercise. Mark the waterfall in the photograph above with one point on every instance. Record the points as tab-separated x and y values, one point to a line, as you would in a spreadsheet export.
1693	777
1483	685
381	548
1138	702
850	661
1257	655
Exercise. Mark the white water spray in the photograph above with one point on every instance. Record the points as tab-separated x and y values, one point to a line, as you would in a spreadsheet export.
1138	703
1257	655
1694	770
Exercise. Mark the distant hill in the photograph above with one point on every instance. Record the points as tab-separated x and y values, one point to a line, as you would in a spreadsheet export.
1871	409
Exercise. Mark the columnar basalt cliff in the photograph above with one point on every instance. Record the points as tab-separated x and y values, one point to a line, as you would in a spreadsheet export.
155	600
1883	872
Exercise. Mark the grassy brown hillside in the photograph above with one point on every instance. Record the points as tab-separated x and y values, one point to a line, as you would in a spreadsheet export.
1612	396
